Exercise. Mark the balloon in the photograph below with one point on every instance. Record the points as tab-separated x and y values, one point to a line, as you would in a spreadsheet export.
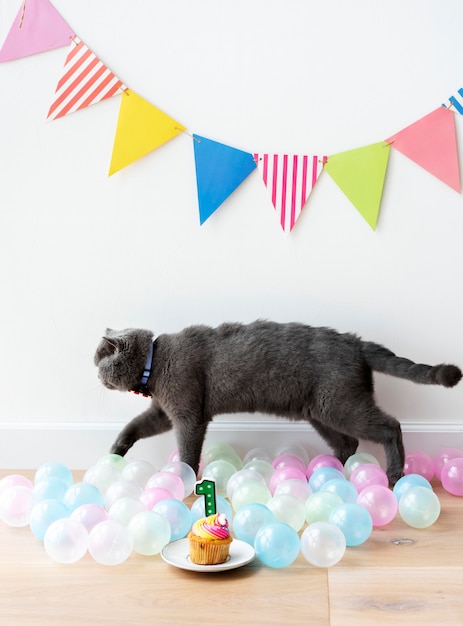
110	543
294	449
354	521
149	532
285	460
198	509
289	510
380	502
14	480
341	487
50	488
66	540
44	513
169	481
285	473
319	506
16	504
445	455
249	519
240	477
322	475
220	472
185	472
410	480
257	454
222	452
419	463
121	489
55	470
90	515
138	472
250	491
177	514
323	544
113	460
293	487
368	474
277	544
359	458
452	476
324	460
124	509
82	493
419	507
261	467
150	497
102	476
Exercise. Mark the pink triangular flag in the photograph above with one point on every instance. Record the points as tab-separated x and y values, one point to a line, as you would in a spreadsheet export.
289	179
431	142
37	27
85	81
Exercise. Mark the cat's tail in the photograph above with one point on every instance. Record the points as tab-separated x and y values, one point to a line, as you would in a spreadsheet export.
381	359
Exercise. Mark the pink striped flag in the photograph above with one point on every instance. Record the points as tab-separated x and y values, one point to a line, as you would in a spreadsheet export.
85	81
289	179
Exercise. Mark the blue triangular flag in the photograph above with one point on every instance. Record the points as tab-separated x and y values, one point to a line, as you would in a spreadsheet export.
220	169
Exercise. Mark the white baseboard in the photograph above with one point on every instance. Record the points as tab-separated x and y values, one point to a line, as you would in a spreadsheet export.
79	445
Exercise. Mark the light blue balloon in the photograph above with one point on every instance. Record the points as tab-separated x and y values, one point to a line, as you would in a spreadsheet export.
82	493
55	469
44	514
50	488
408	481
177	514
198	509
355	522
249	519
342	488
322	476
277	545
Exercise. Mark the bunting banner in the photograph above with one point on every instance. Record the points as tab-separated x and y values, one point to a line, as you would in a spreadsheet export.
141	128
455	101
360	174
220	169
37	27
431	142
85	81
289	180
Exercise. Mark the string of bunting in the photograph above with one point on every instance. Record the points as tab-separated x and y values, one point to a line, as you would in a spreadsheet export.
142	127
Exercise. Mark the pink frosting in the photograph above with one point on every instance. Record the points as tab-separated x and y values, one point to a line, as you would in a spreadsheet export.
214	527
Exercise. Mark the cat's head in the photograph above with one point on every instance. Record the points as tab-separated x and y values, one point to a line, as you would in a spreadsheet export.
121	357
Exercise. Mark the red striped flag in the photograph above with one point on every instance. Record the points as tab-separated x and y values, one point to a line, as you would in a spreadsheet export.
85	81
289	179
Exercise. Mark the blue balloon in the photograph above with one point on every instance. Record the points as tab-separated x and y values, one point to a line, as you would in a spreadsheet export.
410	480
277	545
82	493
55	469
177	514
198	509
44	514
322	476
50	488
355	522
342	488
249	519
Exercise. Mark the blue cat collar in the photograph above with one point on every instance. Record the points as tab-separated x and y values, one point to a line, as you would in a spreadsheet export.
142	388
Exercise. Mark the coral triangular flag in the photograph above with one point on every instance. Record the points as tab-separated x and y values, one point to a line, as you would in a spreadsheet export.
37	27
141	128
220	169
360	174
289	180
85	81
431	142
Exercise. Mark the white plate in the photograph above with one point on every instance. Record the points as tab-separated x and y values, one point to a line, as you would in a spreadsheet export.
177	554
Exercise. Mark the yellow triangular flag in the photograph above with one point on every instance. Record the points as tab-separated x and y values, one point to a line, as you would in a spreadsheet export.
360	174
141	128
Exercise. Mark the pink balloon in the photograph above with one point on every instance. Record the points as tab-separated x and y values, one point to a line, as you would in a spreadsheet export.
90	515
380	502
152	496
443	457
15	480
285	473
283	460
324	460
452	477
169	481
368	474
419	462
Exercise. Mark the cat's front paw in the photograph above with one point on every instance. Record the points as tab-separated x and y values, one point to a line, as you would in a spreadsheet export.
120	447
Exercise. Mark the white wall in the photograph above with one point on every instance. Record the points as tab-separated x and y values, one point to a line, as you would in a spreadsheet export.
81	251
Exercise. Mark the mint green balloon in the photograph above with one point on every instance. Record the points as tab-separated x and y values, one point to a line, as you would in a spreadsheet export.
150	532
288	509
250	491
261	467
220	472
319	506
419	507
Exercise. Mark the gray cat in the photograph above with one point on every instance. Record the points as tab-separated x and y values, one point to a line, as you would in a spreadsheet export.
289	370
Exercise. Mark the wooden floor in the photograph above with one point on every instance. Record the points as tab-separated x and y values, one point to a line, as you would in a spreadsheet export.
399	576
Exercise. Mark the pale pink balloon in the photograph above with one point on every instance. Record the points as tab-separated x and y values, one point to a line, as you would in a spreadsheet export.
444	456
452	477
324	460
419	462
380	502
368	474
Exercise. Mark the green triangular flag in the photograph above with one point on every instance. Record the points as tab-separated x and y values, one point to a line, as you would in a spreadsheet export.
360	174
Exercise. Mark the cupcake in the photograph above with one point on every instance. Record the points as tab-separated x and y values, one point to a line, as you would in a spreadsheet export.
210	540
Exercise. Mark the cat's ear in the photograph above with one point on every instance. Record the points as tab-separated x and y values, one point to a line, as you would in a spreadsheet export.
113	343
